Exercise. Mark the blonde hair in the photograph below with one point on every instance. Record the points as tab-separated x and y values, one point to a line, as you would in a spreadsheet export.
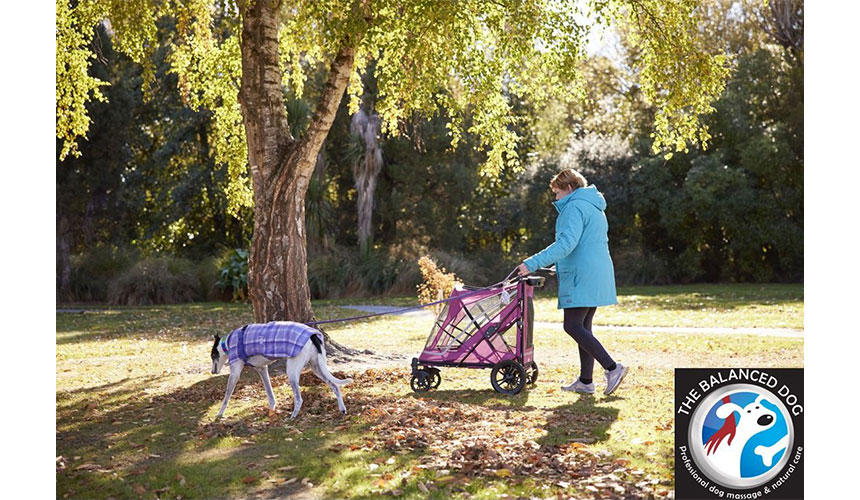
568	178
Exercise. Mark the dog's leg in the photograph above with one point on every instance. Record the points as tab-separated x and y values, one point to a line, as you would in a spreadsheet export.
235	371
318	366
294	371
263	371
334	387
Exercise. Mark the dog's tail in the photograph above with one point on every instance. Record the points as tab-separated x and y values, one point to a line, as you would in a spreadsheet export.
317	340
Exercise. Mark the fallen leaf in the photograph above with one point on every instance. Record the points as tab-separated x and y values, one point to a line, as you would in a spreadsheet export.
271	456
88	466
249	479
139	489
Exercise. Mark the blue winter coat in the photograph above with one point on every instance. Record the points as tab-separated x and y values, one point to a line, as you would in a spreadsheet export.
586	277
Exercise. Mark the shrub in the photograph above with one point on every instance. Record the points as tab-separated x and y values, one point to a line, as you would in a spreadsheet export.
233	277
93	270
328	275
635	267
156	280
344	272
436	284
208	273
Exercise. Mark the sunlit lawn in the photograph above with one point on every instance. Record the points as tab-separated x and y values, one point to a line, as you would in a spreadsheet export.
135	406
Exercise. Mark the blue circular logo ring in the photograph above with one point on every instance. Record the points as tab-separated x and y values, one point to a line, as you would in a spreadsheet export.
741	435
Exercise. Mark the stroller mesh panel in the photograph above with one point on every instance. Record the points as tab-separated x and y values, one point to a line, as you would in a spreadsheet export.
460	320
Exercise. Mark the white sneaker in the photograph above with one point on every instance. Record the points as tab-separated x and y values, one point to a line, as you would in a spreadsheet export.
578	386
614	378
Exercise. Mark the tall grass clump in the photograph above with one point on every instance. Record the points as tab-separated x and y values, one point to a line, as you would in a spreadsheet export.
156	280
93	270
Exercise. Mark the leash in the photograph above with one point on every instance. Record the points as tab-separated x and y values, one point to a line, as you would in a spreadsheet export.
419	306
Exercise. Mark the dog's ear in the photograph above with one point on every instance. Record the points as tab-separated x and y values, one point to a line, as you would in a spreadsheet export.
217	337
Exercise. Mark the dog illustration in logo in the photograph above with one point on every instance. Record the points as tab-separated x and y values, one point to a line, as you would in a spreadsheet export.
724	447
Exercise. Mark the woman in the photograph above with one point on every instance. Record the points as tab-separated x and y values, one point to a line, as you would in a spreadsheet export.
586	278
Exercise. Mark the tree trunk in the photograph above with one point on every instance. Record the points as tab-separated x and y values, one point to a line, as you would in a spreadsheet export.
366	126
281	167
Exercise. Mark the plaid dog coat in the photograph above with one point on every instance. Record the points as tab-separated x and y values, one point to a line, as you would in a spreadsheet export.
276	339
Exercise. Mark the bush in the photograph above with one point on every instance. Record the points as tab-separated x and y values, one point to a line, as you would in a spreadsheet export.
156	280
328	275
635	267
208	273
233	274
93	270
343	272
436	284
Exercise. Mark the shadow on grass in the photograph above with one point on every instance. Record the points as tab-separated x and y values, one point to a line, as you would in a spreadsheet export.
128	444
581	421
487	398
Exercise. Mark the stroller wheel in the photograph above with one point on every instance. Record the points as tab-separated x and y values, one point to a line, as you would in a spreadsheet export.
532	373
436	378
508	377
422	381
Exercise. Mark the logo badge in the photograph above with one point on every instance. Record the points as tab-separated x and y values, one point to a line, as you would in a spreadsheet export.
737	431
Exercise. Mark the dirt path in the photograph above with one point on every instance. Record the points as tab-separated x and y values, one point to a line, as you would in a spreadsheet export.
679	330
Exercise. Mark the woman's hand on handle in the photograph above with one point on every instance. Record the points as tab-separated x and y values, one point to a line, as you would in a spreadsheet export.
522	270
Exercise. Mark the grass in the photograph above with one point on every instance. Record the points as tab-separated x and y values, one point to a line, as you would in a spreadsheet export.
703	305
136	406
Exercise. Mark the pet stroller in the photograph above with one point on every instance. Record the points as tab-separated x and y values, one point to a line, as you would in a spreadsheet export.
483	328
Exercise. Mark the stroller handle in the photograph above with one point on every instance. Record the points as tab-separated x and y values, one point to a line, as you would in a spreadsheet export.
549	270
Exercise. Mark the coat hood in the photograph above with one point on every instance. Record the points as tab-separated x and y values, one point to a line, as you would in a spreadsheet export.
588	193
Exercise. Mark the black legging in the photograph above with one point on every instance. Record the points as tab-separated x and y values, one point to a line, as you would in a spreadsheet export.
577	324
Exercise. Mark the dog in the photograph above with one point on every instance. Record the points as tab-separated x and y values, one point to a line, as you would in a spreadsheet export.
751	420
259	345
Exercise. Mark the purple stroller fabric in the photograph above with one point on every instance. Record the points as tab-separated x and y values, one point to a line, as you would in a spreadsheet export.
472	329
276	339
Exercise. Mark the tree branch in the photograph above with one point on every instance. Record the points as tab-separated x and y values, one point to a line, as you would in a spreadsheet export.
326	109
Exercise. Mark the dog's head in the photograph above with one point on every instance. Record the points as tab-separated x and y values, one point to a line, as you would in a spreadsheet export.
219	355
754	417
